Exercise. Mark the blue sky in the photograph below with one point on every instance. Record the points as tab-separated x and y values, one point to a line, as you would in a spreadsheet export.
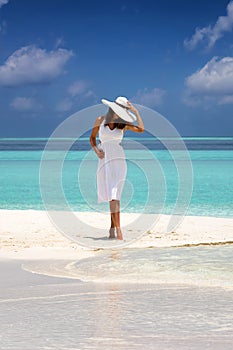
59	56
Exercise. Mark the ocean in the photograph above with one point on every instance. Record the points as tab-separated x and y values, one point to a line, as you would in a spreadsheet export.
211	160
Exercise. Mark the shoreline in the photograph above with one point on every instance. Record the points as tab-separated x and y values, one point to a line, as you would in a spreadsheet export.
195	314
29	234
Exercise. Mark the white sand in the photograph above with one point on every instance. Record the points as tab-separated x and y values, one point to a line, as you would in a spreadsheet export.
82	314
29	234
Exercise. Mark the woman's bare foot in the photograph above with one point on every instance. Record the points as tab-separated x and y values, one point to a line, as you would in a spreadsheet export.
119	234
112	232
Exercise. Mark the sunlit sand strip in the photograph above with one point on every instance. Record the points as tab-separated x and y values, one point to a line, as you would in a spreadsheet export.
29	234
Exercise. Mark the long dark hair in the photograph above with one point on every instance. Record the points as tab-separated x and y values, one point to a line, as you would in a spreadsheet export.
119	123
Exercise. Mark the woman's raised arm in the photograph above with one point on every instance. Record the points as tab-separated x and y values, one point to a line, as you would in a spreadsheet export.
140	126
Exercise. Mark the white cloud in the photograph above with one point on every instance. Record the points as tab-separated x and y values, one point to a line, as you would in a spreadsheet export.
78	88
32	65
79	93
212	82
3	24
23	104
216	77
228	99
150	98
64	105
59	42
89	94
3	2
3	27
209	35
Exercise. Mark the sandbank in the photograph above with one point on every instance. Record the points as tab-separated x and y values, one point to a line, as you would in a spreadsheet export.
30	234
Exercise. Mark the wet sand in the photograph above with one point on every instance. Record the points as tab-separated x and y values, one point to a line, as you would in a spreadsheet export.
40	312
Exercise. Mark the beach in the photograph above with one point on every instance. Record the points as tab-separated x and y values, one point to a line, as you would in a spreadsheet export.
30	234
51	297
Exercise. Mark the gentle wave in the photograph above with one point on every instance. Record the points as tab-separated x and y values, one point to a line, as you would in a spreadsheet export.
199	266
209	266
161	155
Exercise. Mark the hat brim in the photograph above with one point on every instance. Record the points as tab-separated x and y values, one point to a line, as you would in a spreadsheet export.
123	113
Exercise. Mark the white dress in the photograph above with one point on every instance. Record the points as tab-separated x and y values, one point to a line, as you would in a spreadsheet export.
111	172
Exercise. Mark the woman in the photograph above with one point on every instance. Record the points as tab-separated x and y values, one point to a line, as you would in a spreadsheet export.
112	167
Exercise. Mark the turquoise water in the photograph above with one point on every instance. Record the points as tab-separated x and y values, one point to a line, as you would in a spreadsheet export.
212	169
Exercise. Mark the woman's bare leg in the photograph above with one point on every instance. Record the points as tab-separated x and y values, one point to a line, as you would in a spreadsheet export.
115	217
112	228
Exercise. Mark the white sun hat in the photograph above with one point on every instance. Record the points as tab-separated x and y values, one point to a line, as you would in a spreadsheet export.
121	108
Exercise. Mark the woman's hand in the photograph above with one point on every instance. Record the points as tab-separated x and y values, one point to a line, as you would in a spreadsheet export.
100	154
131	107
140	126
